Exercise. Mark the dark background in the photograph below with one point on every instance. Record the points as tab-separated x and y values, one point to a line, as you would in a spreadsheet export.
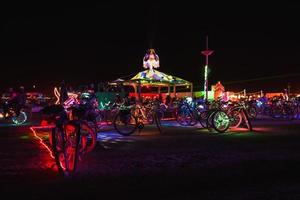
41	44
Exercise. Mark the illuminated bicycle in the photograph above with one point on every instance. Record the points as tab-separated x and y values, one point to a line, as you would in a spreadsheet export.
68	138
190	113
18	118
226	115
153	114
239	113
131	118
125	122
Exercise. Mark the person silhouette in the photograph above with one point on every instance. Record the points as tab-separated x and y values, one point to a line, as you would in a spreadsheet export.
63	93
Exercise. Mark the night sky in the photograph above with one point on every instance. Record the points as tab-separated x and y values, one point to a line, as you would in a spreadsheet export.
44	43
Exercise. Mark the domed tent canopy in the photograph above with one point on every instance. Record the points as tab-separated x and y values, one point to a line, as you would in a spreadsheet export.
151	77
157	79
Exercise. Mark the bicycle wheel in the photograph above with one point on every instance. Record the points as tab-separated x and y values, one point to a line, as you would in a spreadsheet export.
185	117
88	138
252	112
20	119
235	118
99	119
57	141
290	113
193	119
209	120
247	120
220	121
65	148
276	112
125	123
203	118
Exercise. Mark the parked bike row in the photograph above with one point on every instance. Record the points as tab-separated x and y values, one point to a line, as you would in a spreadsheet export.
76	122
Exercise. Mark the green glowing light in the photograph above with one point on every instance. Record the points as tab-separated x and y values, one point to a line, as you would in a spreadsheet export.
221	120
24	137
20	119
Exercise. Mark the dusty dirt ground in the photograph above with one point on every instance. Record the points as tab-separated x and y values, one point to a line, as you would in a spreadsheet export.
182	163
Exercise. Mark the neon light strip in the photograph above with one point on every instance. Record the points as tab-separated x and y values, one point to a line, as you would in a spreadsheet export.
41	140
205	73
57	95
205	78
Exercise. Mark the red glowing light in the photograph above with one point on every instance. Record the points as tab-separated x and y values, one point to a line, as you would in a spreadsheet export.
44	123
41	140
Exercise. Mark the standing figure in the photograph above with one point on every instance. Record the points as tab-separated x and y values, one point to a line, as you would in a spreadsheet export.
63	93
151	61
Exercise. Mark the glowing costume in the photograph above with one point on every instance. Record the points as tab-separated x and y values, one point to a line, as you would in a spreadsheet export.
151	62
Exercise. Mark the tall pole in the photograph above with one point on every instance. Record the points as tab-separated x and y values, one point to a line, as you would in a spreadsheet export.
206	53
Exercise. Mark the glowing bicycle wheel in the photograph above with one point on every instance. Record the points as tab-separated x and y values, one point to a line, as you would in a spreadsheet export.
220	121
20	119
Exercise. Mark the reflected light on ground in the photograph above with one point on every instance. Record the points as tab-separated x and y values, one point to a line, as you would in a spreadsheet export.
109	138
24	137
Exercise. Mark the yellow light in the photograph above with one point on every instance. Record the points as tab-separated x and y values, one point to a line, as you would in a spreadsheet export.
1	116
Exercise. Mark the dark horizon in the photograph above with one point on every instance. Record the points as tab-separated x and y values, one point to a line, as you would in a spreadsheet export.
42	44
